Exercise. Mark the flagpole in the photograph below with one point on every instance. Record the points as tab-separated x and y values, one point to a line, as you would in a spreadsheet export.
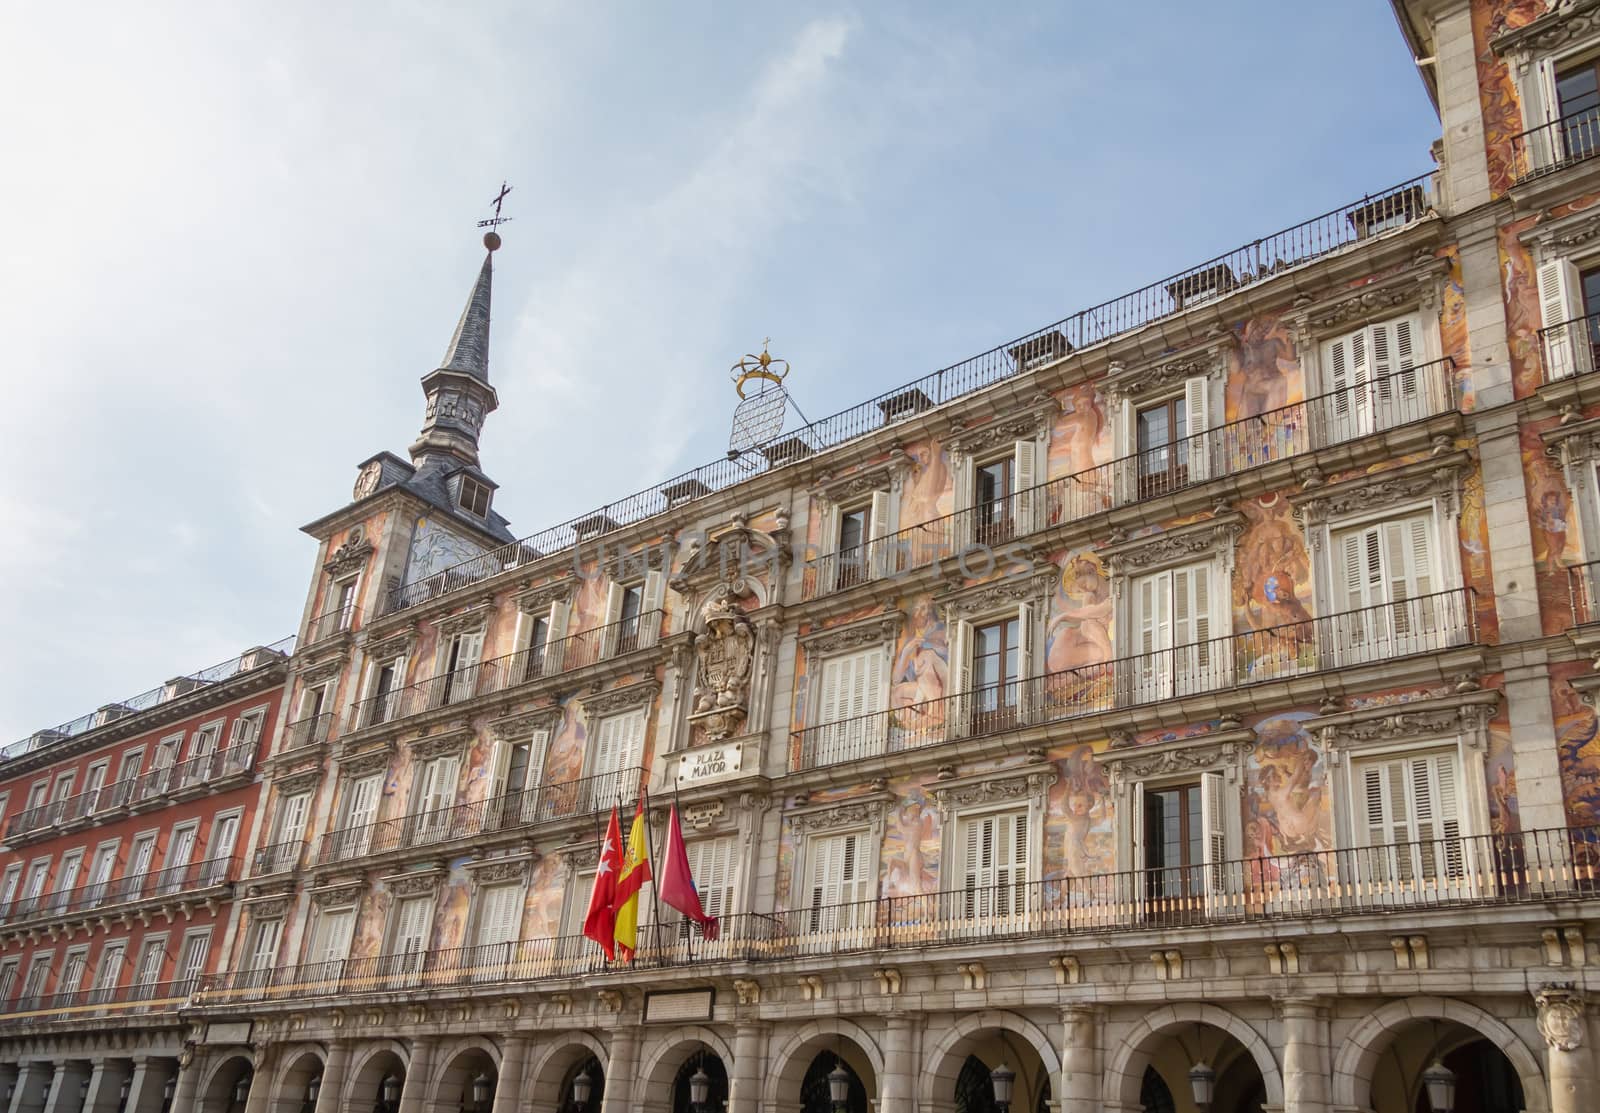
655	864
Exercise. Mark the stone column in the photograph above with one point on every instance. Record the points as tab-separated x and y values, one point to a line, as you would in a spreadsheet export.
1306	1066
147	1085
897	1091
264	1064
66	1090
1080	1060
1568	1063
419	1076
33	1086
620	1065
508	1088
105	1086
747	1069
186	1094
333	1078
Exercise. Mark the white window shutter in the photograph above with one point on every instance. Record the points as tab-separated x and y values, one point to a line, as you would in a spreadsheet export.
959	672
555	636
964	499
1212	822
829	685
224	834
195	951
1548	148
654	598
363	802
1025	476
538	747
1026	653
1136	828
1557	307
411	930
605	745
1197	420
630	753
880	557
292	818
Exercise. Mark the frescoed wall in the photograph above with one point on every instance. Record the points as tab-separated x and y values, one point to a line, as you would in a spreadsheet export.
1286	797
1577	744
1502	109
1263	370
435	547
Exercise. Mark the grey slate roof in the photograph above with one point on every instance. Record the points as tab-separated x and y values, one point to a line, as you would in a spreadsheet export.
469	347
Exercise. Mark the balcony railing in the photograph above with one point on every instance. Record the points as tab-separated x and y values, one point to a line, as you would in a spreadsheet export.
1448	873
1371	635
541	804
194	772
1556	145
1376	406
1569	348
96	896
329	623
96	1002
1371	216
1583	586
278	858
500	673
310	731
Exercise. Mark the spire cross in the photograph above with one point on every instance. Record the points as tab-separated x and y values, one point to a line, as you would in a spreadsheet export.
499	200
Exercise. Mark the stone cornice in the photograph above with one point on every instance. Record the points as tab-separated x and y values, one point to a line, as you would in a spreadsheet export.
1175	546
959	603
600	704
1218	749
854	811
879	628
1466	713
1439	476
1417	285
1030	421
995	786
1568	22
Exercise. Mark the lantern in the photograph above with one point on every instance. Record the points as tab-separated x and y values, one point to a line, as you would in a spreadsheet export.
480	1090
1203	1084
839	1086
582	1087
391	1090
699	1087
1440	1083
1003	1078
313	1088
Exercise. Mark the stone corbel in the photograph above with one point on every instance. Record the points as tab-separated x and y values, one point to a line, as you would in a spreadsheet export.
889	980
610	1000
1068	970
973	975
748	989
811	988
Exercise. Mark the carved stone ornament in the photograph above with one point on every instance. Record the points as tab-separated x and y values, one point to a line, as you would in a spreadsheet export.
365	764
475	617
1438	478
339	894
601	704
1566	22
1175	546
516	728
578	857
702	816
296	783
877	630
996	594
735	557
725	654
497	870
271	908
855	812
886	476
1466	715
398	644
997	787
323	671
1563	235
416	883
1188	755
349	557
1031	422
440	745
1561	1020
538	600
1363	305
1139	380
1573	444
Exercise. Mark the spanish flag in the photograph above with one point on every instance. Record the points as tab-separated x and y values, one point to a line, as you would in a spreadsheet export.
635	872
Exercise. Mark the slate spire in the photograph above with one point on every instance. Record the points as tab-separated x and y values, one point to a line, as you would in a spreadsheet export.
459	395
469	347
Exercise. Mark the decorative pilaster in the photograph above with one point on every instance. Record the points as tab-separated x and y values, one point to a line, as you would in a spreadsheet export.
508	1090
1305	1056
1563	1022
33	1086
897	1088
333	1072
1080	1059
620	1065
744	1088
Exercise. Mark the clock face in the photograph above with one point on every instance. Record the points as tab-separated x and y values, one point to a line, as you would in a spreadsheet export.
367	481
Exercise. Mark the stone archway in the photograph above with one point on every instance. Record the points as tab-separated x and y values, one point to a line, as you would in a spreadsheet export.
849	1040
364	1083
1355	1064
547	1080
227	1087
1125	1068
993	1034
664	1063
460	1071
297	1067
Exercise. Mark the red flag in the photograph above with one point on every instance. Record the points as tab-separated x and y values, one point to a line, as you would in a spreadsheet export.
676	884
601	922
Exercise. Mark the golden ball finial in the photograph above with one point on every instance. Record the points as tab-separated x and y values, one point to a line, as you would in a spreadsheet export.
491	240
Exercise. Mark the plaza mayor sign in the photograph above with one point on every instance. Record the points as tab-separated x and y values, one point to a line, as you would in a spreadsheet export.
712	763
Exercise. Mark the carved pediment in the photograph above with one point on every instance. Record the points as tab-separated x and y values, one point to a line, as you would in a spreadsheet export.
855	811
398	644
1564	234
1466	714
1008	590
294	783
1198	754
515	728
1439	478
349	557
733	555
879	629
441	745
475	617
996	787
1416	287
338	894
1575	442
600	704
1567	22
538	600
1143	379
366	763
889	475
267	908
1175	546
1029	422
495	871
324	670
415	883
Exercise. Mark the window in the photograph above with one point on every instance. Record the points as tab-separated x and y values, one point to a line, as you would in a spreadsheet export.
842	879
8	888
1384	589
63	787
1169	444
857	518
140	859
615	756
219	853
344	603
474	497
105	860
461	666
192	960
711	866
633	615
360	809
854	529
291	818
37	873
1577	104
499	926
851	696
179	851
262	954
37	794
1370	380
109	972
386	678
67	877
542	639
330	942
38	977
433	794
71	980
992	658
129	768
1569	308
151	960
410	941
1411	822
995	484
205	740
313	701
8	979
1174	840
994	851
95	782
1172	621
518	768
247	728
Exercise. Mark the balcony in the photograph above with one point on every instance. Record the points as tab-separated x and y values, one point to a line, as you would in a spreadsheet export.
196	776
329	624
515	811
1569	348
1583	587
565	655
177	884
1529	867
305	734
1414	627
280	857
1340	418
1552	147
96	1003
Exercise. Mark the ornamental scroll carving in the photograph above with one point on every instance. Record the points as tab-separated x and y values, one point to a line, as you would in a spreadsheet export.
273	909
601	704
1440	479
846	813
725	654
350	556
1560	1016
538	600
1132	765
336	896
1567	21
496	871
418	883
515	728
361	765
1122	383
1030	423
857	635
442	745
1204	539
999	787
298	782
1006	591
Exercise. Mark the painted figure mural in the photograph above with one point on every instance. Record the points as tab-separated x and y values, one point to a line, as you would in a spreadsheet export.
1286	795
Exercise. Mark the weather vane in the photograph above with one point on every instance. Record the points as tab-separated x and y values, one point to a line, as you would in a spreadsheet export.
499	199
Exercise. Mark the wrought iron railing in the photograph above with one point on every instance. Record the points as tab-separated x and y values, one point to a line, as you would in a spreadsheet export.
1261	259
310	731
248	661
1456	872
975	535
329	623
541	804
1423	625
279	857
563	655
204	770
96	1002
1556	145
129	889
1570	348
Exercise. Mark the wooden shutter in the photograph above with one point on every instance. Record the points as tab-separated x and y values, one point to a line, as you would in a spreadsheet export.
606	735
193	961
143	852
180	849
1213	819
363	801
72	973
110	971
711	865
334	930
614	594
1557	306
439	783
555	637
880	555
264	949
224	834
1197	423
630	741
959	673
500	915
105	861
1547	148
1024	476
411	926
650	604
292	818
150	964
996	859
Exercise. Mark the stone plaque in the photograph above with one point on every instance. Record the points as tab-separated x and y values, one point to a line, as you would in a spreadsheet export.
710	763
233	1031
689	1004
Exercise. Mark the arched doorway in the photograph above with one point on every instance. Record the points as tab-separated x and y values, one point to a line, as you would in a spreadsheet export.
816	1090
571	1099
1154	1095
1484	1079
467	1083
376	1084
299	1083
229	1087
1181	1063
702	1067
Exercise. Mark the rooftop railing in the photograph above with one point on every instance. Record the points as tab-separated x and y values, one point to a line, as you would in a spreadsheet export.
1389	631
1361	220
1556	145
248	661
1390	402
500	673
1450	872
1569	348
540	804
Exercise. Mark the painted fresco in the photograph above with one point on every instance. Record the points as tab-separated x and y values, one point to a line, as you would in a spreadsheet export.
1553	522
921	664
1501	776
928	492
1476	565
911	842
564	757
546	890
1078	630
1497	93
1272	590
1522	309
1577	746
1263	370
1080	838
1286	797
1454	340
1081	437
435	548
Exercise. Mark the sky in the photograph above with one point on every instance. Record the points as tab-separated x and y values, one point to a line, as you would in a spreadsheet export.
234	237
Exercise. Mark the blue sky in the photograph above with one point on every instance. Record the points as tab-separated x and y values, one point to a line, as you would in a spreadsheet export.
236	236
